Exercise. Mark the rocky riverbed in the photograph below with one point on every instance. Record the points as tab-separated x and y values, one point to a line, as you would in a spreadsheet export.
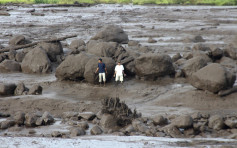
188	91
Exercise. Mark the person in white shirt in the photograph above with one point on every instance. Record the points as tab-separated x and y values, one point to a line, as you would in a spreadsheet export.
119	72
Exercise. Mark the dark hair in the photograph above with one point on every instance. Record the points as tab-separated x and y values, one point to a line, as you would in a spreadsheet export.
100	59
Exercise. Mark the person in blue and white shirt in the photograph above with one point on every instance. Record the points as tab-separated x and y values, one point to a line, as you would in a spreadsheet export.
102	70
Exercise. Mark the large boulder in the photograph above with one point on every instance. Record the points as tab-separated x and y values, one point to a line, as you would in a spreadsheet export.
231	52
112	33
19	118
7	89
52	50
36	61
96	130
103	49
35	90
192	65
213	77
10	66
91	66
73	67
30	119
152	66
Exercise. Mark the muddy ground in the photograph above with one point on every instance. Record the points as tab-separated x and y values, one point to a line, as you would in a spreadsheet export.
171	26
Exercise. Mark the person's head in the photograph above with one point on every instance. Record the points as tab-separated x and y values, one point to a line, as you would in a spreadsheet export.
119	63
100	60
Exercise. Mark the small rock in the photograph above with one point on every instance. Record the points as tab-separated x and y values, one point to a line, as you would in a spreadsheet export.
4	13
176	57
159	120
39	121
129	129
172	131
133	43
216	122
20	89
35	90
47	118
20	56
70	114
7	89
77	132
108	121
198	38
231	123
151	40
30	119
32	131
19	118
56	134
189	132
96	130
87	115
6	124
17	40
84	125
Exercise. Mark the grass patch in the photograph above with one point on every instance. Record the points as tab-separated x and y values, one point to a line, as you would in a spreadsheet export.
139	2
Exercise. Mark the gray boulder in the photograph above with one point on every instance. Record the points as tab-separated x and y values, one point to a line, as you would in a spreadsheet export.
216	53
3	56
73	67
103	49
133	43
30	119
6	124
84	125
76	44
19	118
192	65
87	115
213	78
231	52
183	122
91	66
77	132
198	38
10	66
35	90
7	89
112	33
201	47
17	40
96	130
229	64
21	89
152	66
176	57
216	122
12	54
231	122
36	61
47	118
108	121
52	50
20	56
159	120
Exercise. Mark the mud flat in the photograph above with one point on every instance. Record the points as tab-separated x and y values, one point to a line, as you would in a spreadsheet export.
163	29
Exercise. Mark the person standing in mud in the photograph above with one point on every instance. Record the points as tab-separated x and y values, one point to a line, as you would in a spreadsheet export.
119	72
102	70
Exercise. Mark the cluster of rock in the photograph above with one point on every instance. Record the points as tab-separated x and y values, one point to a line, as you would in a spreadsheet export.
208	68
27	120
7	89
36	59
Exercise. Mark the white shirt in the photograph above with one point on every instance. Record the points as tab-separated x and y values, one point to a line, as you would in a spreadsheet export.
119	69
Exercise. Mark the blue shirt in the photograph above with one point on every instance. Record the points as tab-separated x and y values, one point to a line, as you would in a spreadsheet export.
101	67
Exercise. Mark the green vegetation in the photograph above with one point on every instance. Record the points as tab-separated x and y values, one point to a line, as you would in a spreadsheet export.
139	2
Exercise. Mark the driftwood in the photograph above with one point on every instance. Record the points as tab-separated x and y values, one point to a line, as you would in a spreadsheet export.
35	43
228	91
